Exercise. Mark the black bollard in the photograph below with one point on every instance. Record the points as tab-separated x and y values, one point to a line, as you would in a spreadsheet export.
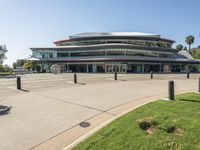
75	78
18	83
199	85
151	74
188	75
115	75
171	90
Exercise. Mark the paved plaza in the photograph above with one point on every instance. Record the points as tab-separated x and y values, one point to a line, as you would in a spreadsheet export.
47	112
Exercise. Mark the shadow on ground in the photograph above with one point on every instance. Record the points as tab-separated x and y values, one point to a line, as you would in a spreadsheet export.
189	100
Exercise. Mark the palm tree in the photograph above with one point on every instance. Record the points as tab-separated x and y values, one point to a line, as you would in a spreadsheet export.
185	48
179	47
189	40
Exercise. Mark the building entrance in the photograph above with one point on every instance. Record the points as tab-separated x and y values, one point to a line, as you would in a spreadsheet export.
120	68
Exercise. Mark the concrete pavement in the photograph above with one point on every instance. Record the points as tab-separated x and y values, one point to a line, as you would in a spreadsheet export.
48	116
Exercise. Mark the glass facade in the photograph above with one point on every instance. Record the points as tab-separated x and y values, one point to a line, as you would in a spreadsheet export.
120	67
102	54
149	43
44	54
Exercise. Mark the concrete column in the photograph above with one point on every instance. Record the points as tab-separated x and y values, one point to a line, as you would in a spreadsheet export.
166	68
160	68
87	68
106	68
143	68
112	68
94	68
187	68
67	67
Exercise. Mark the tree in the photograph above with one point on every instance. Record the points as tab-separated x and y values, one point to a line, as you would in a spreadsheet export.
185	48
3	50
196	55
2	57
19	63
1	68
7	68
28	65
189	40
179	47
195	52
14	65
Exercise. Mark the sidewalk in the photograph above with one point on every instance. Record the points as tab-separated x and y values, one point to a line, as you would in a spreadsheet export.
50	119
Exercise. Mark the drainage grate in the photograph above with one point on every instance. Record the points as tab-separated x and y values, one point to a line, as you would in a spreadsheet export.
84	124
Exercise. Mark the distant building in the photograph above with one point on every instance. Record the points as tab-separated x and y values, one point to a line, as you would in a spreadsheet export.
3	50
124	52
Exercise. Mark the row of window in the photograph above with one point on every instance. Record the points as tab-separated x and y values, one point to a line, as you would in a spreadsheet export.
108	52
133	42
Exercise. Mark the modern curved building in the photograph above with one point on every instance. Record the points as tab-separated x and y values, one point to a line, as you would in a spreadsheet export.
108	52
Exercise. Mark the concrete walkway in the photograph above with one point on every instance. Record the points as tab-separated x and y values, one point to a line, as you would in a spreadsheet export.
48	118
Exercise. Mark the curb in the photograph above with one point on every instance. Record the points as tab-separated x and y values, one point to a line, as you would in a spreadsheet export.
93	131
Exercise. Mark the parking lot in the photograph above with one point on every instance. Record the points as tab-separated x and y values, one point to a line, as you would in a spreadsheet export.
35	82
50	107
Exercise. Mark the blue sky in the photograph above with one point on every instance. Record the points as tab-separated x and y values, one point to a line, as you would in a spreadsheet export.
30	23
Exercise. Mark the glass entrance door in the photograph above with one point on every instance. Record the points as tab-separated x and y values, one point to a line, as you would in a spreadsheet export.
123	68
120	68
116	68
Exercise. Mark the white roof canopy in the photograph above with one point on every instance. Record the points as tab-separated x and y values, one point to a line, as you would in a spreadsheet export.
33	59
103	34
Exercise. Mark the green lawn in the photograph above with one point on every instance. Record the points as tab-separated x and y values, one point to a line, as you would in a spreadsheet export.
173	125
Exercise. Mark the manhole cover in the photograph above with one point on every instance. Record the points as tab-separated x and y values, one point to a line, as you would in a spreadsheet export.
84	124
